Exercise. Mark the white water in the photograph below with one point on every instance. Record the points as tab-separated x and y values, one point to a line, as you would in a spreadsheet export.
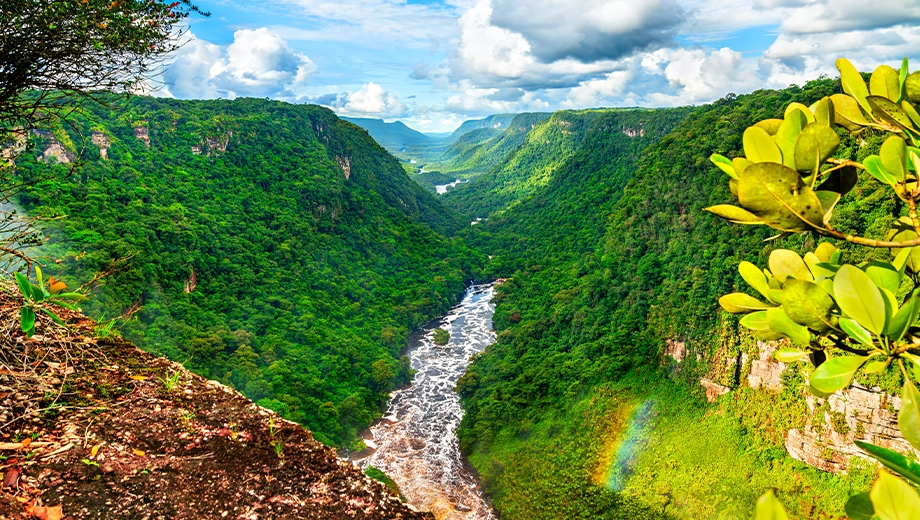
416	442
442	188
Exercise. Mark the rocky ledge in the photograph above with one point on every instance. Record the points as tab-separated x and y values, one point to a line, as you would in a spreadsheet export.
95	428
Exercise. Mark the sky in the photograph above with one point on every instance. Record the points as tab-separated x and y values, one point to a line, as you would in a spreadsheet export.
436	63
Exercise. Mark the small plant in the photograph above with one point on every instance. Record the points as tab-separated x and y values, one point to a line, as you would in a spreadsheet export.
441	336
843	317
39	298
278	445
106	329
171	381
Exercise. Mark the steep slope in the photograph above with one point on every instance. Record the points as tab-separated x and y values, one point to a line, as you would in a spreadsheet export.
395	135
478	151
571	400
270	246
100	429
494	122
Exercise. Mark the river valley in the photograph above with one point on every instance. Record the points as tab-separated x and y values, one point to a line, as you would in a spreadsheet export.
416	443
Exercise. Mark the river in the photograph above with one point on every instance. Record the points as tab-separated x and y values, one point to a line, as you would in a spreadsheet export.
416	442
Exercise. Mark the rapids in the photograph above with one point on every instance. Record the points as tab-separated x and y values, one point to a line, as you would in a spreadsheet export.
415	443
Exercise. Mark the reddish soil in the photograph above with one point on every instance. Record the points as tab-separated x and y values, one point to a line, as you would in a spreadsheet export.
108	438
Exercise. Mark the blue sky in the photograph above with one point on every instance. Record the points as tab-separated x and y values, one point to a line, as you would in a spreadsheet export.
436	63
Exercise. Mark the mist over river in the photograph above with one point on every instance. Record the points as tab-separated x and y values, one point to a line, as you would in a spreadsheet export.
416	442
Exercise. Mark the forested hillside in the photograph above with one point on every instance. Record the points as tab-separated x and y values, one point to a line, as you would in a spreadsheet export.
478	151
571	414
269	246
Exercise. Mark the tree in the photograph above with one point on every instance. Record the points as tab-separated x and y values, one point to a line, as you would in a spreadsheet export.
52	51
845	318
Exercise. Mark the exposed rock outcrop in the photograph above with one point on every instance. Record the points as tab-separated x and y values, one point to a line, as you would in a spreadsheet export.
713	389
102	142
765	372
142	133
54	151
345	163
857	413
675	349
213	144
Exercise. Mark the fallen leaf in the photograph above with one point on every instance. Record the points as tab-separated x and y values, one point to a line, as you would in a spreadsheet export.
11	478
95	450
26	442
138	452
139	378
48	513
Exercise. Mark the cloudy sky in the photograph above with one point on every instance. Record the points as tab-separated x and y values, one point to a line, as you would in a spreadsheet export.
436	63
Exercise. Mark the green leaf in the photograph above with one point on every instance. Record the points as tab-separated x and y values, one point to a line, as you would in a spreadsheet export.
769	508
840	181
852	82
835	374
39	277
894	157
738	303
53	316
808	304
824	111
38	294
770	126
859	507
883	275
786	264
779	197
893	460
859	298
740	164
912	87
847	113
818	268
874	367
788	133
904	318
911	113
73	296
885	82
889	111
815	145
894	499
780	322
724	164
909	416
903	231
876	168
856	331
24	286
759	147
825	251
829	200
754	277
789	355
734	214
755	321
792	107
27	320
901	259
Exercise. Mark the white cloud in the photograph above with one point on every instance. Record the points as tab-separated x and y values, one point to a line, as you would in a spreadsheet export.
823	16
373	101
257	64
699	77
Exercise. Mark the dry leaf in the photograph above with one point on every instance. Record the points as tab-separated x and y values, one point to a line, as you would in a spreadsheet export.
26	442
48	513
11	478
95	450
138	452
139	378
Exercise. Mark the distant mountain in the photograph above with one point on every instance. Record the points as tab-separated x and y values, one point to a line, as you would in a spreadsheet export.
496	122
392	136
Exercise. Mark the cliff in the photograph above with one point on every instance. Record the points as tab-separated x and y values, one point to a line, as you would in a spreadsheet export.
95	428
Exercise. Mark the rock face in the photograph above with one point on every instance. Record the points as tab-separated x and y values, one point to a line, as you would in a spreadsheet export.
142	133
675	349
713	389
213	144
858	413
55	151
766	373
345	163
102	142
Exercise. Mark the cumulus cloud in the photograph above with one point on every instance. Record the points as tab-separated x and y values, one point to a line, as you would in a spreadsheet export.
589	30
699	77
846	15
373	100
257	64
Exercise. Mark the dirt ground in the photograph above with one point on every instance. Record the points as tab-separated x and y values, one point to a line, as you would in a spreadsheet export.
95	428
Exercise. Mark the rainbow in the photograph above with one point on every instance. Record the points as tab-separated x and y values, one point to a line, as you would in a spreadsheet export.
618	457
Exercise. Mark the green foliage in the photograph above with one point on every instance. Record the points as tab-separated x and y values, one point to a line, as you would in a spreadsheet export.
868	310
441	336
289	258
43	298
